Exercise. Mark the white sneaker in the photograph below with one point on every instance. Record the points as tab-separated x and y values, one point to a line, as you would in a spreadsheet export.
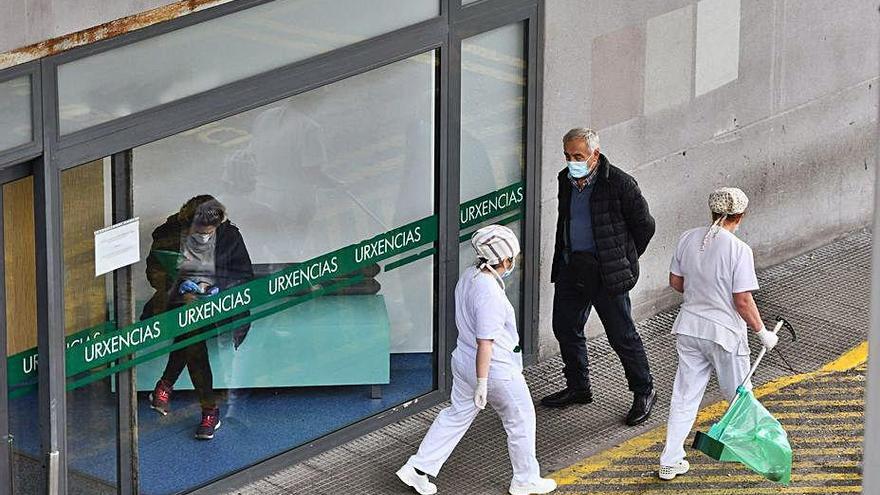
418	482
542	485
670	472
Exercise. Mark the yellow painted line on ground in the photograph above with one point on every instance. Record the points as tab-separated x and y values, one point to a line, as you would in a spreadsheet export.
800	392
815	451
834	415
698	466
572	474
844	378
853	358
823	439
814	403
825	427
798	452
638	480
743	491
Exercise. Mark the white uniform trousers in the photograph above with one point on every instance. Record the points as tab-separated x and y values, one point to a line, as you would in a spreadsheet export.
510	399
696	359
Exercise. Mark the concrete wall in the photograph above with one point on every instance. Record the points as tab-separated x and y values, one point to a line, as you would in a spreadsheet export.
25	22
778	97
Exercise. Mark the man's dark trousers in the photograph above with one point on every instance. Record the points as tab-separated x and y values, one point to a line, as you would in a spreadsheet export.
578	289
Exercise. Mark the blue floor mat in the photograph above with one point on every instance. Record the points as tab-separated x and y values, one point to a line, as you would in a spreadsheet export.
256	424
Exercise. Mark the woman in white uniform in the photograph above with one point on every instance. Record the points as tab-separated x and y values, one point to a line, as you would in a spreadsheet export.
715	271
486	368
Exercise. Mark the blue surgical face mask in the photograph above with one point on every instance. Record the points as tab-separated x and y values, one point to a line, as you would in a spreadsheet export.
509	270
578	170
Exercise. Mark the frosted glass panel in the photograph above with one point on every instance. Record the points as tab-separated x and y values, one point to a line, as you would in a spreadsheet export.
181	63
15	113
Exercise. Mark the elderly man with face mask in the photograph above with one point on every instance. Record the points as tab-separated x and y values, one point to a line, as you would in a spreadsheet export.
603	227
715	271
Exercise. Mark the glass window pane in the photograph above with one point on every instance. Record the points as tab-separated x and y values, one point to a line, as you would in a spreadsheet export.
16	127
493	92
88	306
207	55
339	301
21	333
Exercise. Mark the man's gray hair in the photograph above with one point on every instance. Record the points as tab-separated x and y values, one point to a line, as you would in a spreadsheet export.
588	135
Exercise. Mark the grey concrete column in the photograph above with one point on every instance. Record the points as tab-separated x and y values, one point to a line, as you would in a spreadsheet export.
871	460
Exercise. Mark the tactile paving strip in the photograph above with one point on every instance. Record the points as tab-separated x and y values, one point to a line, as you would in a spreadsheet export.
823	293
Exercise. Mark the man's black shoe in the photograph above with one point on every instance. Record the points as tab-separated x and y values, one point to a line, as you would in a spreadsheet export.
567	396
641	408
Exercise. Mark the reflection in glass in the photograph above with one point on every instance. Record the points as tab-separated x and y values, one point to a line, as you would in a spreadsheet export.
88	305
493	88
213	53
298	180
21	332
16	127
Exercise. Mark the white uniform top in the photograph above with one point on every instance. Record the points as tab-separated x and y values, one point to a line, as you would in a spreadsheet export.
711	277
482	311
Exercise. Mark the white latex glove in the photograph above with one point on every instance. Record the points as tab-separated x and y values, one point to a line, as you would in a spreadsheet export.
768	339
481	393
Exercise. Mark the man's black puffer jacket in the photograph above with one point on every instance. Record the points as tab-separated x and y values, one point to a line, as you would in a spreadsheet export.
622	226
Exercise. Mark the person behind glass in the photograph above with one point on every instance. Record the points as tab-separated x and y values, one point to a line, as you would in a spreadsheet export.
603	227
195	254
486	368
715	271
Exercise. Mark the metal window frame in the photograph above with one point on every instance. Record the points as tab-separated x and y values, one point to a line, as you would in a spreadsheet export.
127	454
52	404
482	17
30	150
6	472
54	153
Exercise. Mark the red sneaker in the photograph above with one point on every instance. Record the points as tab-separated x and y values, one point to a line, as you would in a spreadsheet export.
160	399
210	423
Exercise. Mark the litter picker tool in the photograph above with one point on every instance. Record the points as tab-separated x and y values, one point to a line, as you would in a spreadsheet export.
748	433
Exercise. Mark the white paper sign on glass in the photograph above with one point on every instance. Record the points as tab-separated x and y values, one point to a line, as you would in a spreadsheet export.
117	246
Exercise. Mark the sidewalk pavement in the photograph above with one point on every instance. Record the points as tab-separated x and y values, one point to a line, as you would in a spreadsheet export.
825	295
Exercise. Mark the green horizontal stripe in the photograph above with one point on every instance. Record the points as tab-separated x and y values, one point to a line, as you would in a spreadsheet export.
104	345
22	366
491	205
205	335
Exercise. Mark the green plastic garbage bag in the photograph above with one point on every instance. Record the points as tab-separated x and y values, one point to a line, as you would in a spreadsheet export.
749	434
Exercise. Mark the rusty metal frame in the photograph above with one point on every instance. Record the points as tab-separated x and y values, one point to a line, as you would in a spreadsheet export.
107	30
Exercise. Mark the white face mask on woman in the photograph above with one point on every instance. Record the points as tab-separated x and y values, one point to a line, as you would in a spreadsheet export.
202	238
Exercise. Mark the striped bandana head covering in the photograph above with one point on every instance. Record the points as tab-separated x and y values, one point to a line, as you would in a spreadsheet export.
494	244
725	202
